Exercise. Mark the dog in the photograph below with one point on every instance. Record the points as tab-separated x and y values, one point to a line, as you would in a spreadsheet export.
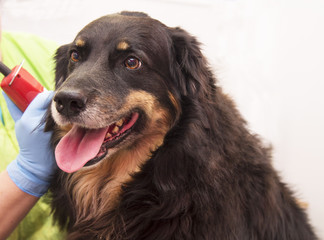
149	147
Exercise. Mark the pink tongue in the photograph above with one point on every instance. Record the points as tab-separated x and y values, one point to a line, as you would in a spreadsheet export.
77	147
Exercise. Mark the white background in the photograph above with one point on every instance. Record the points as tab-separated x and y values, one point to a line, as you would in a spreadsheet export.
267	54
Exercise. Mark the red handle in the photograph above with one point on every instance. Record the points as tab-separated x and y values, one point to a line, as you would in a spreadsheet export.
21	87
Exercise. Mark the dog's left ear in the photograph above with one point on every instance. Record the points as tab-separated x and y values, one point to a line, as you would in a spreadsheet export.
189	66
61	71
62	63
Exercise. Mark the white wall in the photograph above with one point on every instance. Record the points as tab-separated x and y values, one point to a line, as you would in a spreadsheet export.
269	55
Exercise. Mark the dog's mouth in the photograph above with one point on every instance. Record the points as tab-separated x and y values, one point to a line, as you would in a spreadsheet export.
84	147
115	134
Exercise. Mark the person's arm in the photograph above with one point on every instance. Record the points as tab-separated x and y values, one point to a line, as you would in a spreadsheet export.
27	177
14	205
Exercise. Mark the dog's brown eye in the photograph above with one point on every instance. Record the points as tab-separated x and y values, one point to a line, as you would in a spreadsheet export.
133	63
75	56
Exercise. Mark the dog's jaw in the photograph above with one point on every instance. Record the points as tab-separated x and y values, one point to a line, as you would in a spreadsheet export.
87	146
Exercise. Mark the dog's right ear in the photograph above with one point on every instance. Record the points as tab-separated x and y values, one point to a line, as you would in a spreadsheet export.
62	63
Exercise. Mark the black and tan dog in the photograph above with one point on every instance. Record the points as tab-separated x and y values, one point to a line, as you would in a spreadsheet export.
151	148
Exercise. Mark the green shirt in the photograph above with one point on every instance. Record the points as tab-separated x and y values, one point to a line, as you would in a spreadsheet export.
38	54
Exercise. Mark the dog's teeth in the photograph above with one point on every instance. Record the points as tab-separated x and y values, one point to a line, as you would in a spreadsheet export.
120	123
108	135
115	130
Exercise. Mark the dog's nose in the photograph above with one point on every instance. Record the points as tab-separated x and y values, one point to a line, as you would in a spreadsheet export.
70	103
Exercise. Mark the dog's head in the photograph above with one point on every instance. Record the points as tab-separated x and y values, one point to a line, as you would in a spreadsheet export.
119	86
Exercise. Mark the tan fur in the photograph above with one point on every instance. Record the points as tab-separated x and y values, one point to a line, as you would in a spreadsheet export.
80	42
97	188
302	204
123	45
175	103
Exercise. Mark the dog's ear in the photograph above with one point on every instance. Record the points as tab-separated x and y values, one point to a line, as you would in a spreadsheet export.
62	63
61	71
189	66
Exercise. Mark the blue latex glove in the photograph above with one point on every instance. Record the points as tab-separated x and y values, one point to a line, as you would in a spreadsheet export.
35	164
13	109
1	118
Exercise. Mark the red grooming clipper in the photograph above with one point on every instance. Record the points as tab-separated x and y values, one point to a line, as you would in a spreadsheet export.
19	85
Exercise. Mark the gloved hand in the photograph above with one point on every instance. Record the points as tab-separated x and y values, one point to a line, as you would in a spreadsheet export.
35	164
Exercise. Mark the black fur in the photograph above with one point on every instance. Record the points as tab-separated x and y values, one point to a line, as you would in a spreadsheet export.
211	178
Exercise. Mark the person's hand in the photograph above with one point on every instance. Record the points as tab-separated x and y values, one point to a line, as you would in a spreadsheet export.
35	164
